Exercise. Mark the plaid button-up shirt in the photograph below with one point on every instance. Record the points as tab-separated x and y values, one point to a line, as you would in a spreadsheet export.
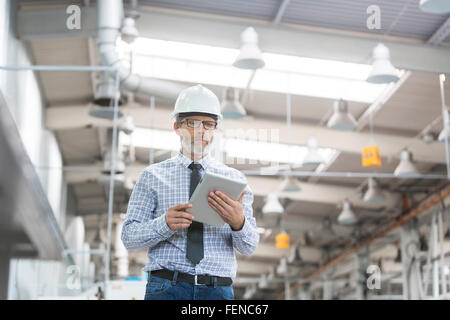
165	184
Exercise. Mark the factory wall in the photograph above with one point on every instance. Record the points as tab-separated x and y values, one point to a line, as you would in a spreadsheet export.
30	278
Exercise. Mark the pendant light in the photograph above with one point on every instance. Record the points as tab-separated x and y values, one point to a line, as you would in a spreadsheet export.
374	194
341	118
435	6
347	216
104	98
231	107
313	157
250	56
263	282
295	257
282	267
405	167
272	206
290	184
129	33
382	69
326	232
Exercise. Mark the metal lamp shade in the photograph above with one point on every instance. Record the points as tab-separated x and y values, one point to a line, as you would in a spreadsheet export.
312	158
405	167
250	56
435	6
272	206
129	33
341	118
347	216
231	107
290	184
374	194
382	69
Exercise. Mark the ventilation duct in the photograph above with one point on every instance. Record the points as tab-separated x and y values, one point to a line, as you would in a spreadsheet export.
110	15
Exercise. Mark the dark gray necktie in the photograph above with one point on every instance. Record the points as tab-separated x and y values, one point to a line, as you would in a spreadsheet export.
194	247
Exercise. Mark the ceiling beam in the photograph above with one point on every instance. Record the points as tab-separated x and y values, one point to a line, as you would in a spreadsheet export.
75	117
51	23
202	29
287	39
260	185
440	34
265	250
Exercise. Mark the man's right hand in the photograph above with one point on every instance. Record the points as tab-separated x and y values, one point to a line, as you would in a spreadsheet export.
177	218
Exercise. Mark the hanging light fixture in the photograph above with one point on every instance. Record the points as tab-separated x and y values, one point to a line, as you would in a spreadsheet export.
347	216
341	118
435	6
104	97
374	194
282	267
405	167
290	184
250	56
272	206
129	32
231	107
313	157
326	232
263	282
382	69
295	257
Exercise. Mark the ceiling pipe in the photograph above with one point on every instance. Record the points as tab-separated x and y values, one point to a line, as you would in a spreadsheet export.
110	14
398	223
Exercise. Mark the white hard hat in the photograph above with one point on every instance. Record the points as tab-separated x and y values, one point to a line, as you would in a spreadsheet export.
197	99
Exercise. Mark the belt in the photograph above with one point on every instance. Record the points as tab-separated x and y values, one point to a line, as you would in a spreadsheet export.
198	280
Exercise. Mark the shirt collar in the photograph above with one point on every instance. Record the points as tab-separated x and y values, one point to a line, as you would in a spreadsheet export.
185	161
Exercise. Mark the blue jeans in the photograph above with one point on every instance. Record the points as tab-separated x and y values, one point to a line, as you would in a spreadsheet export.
164	289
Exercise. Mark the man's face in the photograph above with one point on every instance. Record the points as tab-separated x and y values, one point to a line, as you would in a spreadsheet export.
195	140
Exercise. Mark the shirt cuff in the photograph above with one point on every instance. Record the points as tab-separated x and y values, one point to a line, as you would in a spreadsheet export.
162	228
244	230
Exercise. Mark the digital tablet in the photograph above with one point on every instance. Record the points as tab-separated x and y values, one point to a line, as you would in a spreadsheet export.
199	199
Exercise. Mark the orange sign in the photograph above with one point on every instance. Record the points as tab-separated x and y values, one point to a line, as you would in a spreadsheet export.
282	240
371	157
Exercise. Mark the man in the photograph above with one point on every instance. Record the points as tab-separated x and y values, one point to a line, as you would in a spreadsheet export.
188	259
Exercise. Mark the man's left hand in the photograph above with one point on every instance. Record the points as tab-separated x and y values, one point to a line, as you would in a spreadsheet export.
231	211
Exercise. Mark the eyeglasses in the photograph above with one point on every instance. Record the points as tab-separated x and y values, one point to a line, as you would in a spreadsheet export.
194	123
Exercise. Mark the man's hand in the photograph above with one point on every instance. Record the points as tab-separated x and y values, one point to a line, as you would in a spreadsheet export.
177	218
231	211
